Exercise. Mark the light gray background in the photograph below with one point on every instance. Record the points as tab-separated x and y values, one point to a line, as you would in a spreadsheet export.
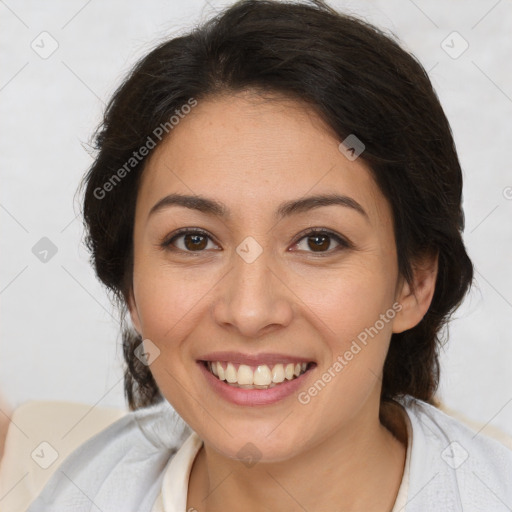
59	337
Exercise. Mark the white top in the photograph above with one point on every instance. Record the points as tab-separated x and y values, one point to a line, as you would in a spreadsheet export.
142	463
173	497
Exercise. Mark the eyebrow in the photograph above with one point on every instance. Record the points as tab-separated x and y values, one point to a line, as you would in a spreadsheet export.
286	209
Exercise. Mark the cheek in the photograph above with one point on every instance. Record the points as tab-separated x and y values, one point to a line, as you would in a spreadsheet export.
165	298
348	300
168	305
353	312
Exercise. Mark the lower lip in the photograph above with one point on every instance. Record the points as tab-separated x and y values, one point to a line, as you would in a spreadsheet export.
251	397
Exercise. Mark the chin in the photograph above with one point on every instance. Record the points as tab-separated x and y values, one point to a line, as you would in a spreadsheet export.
258	447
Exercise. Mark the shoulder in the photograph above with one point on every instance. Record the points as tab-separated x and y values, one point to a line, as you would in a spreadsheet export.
101	460
454	466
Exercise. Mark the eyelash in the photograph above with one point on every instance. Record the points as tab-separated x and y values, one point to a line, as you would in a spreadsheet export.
343	243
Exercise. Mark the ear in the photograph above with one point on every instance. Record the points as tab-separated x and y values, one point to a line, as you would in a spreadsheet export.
415	297
134	313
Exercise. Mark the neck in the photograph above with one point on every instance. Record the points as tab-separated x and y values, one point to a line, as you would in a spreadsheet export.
359	467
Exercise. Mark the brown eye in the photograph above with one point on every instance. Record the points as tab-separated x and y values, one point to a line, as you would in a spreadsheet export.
188	241
320	241
195	242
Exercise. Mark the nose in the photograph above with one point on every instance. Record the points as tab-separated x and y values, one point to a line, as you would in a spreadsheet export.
253	299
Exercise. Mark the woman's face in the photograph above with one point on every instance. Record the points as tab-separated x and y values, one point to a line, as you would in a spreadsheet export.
253	292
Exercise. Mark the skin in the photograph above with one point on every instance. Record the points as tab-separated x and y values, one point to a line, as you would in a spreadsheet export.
253	154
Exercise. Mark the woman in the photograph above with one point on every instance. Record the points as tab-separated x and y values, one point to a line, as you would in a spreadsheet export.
276	202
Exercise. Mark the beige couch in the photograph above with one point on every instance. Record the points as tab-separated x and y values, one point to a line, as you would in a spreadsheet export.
42	434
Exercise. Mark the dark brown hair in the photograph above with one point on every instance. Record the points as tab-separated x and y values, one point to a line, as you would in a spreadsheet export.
360	82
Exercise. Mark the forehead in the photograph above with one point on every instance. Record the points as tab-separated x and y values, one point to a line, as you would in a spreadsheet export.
251	154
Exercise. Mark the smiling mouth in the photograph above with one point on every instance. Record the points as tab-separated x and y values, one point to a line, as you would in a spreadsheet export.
256	377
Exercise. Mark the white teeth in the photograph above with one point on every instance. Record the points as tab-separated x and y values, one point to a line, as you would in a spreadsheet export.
278	373
230	373
262	377
220	371
245	375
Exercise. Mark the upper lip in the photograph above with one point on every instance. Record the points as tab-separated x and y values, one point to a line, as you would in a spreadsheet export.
254	359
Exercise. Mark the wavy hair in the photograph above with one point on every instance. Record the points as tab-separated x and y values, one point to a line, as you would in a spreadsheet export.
359	81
